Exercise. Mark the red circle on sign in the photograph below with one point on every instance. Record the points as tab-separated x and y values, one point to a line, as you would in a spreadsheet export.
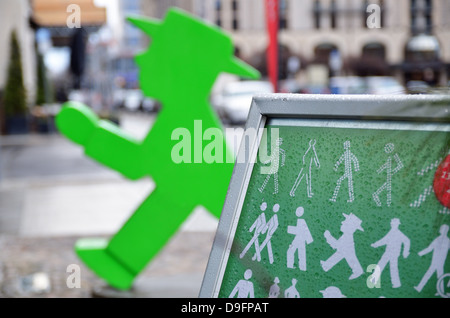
441	182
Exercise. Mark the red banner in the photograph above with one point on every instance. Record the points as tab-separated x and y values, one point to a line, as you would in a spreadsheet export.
272	51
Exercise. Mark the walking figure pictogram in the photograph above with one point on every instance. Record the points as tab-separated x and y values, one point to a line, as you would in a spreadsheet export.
332	292
257	228
344	246
244	287
275	165
394	240
440	248
301	238
308	159
350	161
292	291
274	290
269	229
389	148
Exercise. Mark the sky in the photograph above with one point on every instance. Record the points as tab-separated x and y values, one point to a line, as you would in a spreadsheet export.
112	10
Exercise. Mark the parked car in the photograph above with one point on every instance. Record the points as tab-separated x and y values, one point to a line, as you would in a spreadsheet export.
384	85
133	99
233	103
417	87
347	85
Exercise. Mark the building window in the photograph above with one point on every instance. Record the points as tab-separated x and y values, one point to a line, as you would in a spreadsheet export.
366	14
317	13
333	14
235	10
323	51
283	14
428	16
219	12
374	50
421	16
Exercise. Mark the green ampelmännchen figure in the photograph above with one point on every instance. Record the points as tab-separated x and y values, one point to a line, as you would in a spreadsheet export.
183	61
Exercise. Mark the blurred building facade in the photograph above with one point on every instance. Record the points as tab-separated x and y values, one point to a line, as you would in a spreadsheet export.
28	16
411	42
68	26
131	41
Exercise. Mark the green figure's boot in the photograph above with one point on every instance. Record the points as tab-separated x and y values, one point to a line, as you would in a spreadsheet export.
121	259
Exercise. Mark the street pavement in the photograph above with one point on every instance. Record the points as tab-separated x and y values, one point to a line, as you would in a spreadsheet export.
51	195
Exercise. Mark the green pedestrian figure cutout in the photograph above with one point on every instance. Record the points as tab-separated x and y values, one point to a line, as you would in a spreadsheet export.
184	59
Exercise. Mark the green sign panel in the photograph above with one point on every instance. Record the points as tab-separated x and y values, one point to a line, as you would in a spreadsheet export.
346	209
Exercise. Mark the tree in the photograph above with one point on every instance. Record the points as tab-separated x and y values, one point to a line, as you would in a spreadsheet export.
14	98
41	97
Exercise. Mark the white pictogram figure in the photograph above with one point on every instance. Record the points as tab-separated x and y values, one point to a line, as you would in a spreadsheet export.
389	173
350	161
444	210
428	190
301	238
269	229
274	290
393	240
244	287
422	197
292	291
308	159
275	164
257	227
440	247
344	246
431	167
332	292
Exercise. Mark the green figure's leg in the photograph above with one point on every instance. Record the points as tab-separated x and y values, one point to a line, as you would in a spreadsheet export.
121	259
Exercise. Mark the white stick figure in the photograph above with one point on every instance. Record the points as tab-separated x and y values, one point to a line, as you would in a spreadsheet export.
428	190
309	158
344	246
274	291
257	227
332	292
292	291
269	229
389	173
440	247
244	287
393	240
275	162
350	161
301	238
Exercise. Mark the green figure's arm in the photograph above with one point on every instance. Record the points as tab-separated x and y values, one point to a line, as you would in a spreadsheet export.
102	140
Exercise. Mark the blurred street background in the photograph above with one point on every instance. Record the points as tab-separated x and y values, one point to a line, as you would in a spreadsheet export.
53	51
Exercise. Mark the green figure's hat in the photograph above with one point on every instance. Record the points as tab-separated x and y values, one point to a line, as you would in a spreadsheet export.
189	34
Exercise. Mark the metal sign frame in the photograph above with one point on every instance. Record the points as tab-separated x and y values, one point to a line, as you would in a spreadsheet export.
389	109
